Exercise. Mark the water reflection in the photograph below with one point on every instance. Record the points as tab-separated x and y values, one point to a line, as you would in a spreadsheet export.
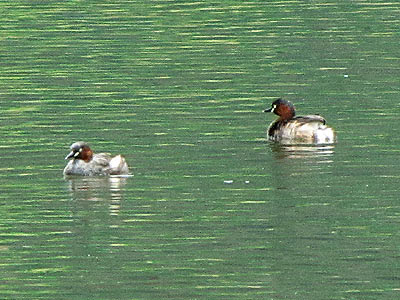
303	151
104	189
301	169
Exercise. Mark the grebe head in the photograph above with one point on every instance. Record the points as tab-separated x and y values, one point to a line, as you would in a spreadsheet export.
80	150
284	109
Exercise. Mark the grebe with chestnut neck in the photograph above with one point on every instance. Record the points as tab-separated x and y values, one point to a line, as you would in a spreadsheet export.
84	162
289	128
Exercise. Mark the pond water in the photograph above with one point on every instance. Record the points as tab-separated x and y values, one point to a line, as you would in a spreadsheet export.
214	210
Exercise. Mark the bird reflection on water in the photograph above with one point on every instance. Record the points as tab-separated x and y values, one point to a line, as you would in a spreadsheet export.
321	153
299	169
101	189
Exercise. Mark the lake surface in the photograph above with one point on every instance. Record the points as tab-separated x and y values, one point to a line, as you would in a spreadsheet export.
214	210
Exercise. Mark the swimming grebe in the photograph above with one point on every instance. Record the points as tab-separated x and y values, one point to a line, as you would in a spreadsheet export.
84	162
303	129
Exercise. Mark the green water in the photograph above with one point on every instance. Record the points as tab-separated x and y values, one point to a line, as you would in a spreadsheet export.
213	211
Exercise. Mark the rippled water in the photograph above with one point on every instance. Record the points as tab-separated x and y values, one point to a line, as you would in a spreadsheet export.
214	210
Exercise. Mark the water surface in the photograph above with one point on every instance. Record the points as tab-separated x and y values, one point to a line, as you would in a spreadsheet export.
214	210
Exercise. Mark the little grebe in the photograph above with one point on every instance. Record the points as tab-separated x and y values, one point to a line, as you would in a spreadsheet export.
289	128
84	162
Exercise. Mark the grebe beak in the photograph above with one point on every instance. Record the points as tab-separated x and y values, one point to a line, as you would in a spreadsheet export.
272	109
269	109
71	154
